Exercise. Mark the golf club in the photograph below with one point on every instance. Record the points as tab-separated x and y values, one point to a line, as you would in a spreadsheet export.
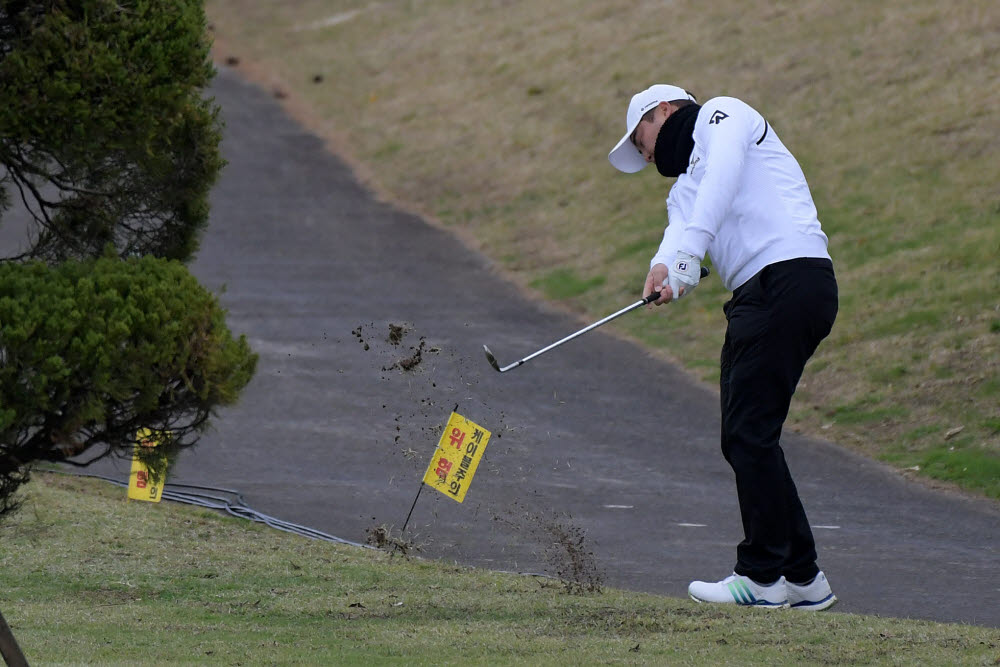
642	302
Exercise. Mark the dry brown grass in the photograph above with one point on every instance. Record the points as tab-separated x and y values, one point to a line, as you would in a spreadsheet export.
494	117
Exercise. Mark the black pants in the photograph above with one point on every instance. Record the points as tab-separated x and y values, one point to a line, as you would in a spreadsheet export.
776	320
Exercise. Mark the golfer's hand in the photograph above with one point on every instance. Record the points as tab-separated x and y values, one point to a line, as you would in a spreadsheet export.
656	280
685	274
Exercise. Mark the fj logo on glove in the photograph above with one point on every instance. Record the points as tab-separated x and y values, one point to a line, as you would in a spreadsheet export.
717	117
682	266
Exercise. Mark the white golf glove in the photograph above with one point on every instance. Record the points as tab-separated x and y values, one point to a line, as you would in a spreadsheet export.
684	274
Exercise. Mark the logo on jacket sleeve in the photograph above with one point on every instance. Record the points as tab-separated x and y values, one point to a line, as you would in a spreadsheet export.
717	117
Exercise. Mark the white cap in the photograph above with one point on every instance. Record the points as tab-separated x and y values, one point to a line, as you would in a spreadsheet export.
625	156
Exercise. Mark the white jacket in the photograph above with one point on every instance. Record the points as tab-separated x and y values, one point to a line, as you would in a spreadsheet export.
743	199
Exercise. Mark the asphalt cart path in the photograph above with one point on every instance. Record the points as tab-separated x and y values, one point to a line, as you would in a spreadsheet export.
370	325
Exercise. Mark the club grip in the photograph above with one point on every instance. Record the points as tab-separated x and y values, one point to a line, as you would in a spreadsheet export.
656	295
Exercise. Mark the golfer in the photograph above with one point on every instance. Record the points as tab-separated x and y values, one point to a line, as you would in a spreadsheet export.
741	198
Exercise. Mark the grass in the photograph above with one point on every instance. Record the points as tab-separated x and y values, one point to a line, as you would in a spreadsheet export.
565	284
88	578
494	119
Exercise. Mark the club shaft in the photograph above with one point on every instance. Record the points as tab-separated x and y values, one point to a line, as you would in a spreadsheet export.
637	304
641	302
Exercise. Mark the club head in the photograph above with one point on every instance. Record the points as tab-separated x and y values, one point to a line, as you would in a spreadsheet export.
490	358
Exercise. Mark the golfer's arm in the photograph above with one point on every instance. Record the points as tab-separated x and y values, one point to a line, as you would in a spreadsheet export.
728	142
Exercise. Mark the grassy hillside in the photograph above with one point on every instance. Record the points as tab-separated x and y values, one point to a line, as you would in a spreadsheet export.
86	578
494	118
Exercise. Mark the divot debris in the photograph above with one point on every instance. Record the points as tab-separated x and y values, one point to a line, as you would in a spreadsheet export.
564	546
417	408
396	333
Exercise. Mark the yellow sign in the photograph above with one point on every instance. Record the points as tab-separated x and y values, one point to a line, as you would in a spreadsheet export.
457	456
140	483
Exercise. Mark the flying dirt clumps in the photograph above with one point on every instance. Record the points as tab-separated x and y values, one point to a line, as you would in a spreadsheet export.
566	553
574	564
357	334
412	361
396	333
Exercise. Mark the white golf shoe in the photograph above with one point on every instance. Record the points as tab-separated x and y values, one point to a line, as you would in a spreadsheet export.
737	589
814	596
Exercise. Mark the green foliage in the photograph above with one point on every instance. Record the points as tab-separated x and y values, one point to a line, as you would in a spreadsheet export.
105	131
92	351
951	460
980	469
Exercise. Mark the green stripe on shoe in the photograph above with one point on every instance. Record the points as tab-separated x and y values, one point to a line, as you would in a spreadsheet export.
741	592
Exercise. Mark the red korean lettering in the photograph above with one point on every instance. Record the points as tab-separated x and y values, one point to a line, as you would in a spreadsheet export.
443	467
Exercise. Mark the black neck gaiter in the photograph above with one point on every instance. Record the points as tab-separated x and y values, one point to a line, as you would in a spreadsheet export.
675	141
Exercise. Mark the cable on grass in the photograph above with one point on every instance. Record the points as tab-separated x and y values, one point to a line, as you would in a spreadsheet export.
225	500
233	503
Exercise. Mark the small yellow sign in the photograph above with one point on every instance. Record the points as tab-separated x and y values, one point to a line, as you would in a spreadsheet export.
457	456
140	483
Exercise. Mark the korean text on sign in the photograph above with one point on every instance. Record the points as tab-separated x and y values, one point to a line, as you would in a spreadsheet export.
141	485
457	456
